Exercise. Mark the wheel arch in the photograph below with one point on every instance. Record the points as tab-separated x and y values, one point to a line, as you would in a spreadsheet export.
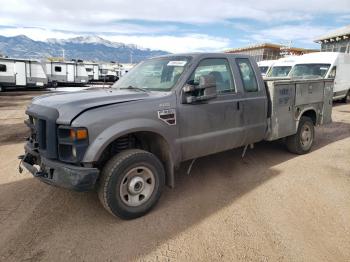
311	113
146	138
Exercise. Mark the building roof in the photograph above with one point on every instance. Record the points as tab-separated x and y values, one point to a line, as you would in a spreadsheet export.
269	45
340	32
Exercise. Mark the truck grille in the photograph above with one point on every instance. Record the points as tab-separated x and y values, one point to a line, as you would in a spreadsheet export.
40	136
37	132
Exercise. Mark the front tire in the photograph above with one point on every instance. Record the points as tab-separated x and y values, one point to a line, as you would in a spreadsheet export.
302	141
131	183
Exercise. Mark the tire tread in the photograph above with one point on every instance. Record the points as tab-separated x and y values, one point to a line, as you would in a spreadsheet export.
292	142
107	174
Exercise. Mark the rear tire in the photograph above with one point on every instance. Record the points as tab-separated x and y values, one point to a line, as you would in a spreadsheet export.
346	98
131	183
302	142
54	84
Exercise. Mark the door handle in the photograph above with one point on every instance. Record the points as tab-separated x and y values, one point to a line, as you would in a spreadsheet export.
238	106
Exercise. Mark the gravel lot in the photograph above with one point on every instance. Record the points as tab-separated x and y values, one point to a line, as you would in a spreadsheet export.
269	206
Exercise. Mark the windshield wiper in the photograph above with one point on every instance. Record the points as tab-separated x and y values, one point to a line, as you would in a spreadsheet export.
135	88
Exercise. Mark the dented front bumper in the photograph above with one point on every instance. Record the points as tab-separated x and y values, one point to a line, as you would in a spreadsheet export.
58	173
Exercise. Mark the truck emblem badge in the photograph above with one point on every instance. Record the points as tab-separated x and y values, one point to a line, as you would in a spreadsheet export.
168	116
164	105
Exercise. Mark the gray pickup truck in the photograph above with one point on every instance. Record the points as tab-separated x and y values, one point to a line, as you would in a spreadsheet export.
126	141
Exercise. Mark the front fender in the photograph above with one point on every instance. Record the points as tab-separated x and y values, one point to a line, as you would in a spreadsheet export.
125	127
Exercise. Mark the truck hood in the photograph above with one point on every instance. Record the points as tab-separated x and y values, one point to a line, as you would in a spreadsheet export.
70	105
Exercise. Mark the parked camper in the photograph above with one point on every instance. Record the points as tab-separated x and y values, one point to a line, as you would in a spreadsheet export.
265	65
331	65
63	73
15	73
92	69
125	68
108	72
282	67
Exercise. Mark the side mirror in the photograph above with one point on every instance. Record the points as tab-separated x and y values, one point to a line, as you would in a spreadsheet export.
206	90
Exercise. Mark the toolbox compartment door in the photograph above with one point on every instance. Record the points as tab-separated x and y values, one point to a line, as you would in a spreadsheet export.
308	92
281	96
328	102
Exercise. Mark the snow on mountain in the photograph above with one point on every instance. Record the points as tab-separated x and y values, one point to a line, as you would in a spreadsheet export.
83	47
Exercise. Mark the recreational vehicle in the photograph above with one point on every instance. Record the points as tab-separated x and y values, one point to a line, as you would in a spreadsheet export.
92	69
66	73
282	67
108	72
265	65
330	65
16	73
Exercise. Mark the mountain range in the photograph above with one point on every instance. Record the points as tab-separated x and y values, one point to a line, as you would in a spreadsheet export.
92	48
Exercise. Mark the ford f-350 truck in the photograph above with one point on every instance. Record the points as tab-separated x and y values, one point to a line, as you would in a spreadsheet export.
126	141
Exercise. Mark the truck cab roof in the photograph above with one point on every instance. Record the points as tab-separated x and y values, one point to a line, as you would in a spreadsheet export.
205	55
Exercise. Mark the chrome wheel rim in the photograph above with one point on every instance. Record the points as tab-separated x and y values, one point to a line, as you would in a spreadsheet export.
306	136
137	186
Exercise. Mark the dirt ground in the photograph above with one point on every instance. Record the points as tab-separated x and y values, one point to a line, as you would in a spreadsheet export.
269	206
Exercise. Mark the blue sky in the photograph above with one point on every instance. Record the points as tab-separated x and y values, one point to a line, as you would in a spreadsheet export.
177	25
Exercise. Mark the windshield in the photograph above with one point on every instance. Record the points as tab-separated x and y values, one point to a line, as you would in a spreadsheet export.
310	70
279	71
263	69
159	74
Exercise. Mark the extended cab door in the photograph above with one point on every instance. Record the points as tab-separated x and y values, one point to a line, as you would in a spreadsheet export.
214	125
254	105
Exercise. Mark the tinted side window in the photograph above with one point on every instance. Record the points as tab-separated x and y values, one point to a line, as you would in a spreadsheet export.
2	68
219	68
247	74
58	69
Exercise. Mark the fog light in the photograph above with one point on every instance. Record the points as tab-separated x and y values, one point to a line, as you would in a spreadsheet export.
74	152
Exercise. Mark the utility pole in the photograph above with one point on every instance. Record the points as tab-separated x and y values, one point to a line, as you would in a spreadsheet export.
63	54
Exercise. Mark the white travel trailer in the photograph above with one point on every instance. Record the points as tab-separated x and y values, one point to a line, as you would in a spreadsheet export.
282	67
265	65
66	73
331	65
108	72
92	69
16	73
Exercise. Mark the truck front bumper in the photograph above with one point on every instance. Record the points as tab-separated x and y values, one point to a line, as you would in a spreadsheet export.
58	173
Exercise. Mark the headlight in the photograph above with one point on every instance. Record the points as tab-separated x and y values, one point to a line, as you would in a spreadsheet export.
78	134
72	143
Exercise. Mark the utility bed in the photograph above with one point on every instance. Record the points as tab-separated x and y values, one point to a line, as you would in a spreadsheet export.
288	99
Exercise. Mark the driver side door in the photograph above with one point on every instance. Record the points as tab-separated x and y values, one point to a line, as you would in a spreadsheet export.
214	125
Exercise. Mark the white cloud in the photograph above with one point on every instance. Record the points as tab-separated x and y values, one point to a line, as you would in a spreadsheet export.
175	44
301	33
88	13
343	18
37	34
115	20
